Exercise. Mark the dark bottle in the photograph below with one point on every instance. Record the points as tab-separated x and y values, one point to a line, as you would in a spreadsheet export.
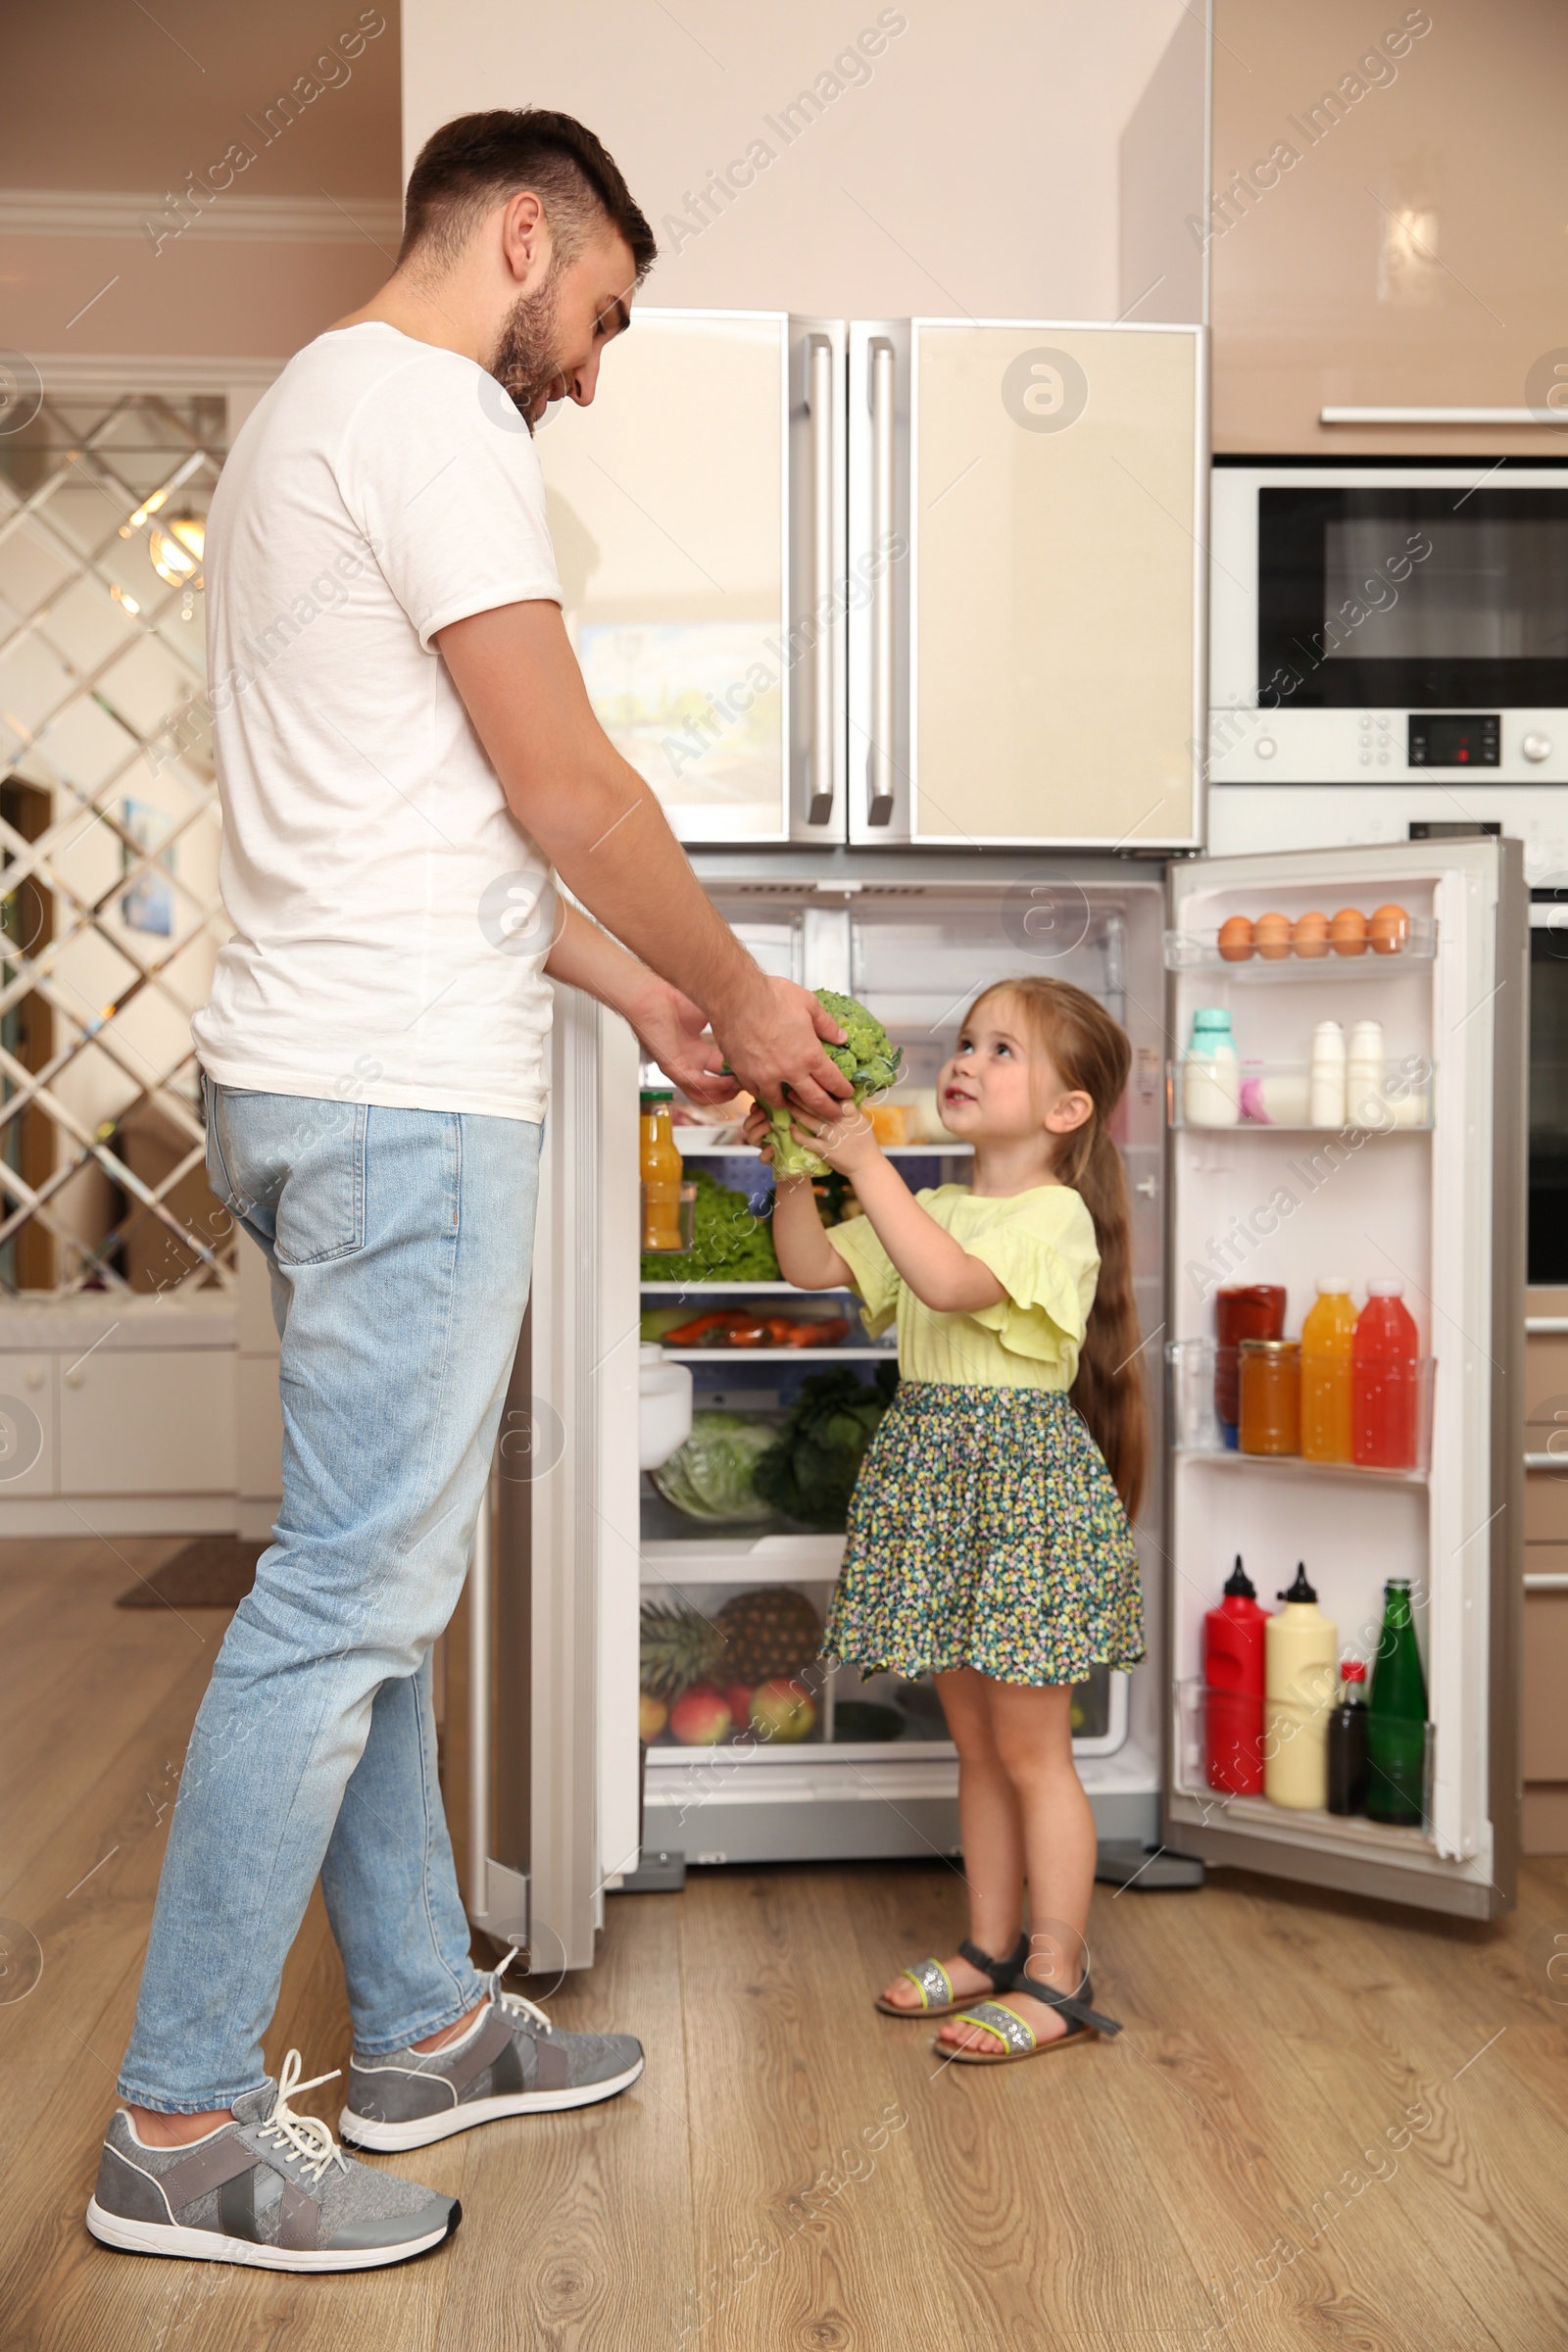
1347	1741
1396	1720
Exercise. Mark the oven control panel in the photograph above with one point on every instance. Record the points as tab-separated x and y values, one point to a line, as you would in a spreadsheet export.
1453	739
1388	747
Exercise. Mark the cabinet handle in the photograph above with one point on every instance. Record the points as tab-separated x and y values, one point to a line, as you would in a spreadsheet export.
879	758
820	406
1545	1581
75	1377
1147	1186
1430	416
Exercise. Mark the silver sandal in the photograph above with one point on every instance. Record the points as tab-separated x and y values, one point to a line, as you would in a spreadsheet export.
935	1987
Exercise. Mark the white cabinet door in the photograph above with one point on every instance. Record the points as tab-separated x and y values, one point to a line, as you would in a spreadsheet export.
148	1421
28	1433
668	502
1035	642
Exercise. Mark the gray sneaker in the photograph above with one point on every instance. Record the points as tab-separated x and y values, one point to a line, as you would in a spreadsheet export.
513	2062
270	2190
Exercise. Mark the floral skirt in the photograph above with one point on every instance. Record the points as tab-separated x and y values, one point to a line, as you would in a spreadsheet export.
985	1531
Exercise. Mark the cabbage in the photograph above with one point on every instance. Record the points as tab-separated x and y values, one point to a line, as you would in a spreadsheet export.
710	1477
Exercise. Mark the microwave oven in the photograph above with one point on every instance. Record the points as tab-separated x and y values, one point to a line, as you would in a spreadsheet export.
1386	622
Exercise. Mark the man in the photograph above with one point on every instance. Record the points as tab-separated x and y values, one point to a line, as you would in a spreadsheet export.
405	751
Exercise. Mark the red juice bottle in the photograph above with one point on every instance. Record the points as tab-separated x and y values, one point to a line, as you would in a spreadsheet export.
1232	1689
1385	1379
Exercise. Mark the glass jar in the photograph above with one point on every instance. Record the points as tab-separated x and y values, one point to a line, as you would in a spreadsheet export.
1271	1397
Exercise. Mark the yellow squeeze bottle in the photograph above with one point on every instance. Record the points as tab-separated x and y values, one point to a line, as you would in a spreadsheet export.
1328	1336
1301	1682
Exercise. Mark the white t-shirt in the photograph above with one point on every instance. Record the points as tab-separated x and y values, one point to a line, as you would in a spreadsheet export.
391	917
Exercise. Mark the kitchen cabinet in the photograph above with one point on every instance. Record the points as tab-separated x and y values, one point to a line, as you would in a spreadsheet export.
29	1435
1386	226
925	581
150	1421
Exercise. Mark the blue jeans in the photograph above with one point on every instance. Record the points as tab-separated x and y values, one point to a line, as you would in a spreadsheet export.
399	1244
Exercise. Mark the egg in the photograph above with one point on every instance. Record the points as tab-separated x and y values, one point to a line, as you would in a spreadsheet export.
1236	939
1272	933
1347	932
1309	934
1390	928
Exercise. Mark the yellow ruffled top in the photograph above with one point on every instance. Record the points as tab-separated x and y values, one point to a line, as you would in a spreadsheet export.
1038	1244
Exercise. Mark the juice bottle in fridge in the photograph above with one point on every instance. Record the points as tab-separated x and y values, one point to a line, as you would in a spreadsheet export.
661	1168
1328	1336
1385	1381
1300	1657
1396	1719
1232	1689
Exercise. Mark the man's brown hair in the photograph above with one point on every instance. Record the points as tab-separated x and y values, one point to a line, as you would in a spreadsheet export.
477	161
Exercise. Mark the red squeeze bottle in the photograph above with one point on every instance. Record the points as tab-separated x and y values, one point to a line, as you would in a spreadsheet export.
1384	1381
1232	1689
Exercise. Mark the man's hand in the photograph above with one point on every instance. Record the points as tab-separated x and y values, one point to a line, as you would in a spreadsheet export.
770	1040
674	1032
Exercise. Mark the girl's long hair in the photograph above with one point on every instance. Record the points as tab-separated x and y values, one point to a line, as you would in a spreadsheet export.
1093	1054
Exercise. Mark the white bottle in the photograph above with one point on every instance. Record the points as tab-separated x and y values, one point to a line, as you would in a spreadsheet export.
1211	1072
1365	1077
1328	1075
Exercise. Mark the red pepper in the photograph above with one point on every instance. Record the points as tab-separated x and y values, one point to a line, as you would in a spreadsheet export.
687	1335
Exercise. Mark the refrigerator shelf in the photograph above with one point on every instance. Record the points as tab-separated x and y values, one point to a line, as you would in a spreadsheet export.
1199	952
750	1290
779	1356
1228	1458
1255	1812
948	1150
1271	1097
737	1558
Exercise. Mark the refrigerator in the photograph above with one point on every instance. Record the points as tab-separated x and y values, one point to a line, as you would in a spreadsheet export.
921	684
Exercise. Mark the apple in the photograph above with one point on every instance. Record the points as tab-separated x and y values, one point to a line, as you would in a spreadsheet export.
783	1710
700	1718
738	1699
652	1716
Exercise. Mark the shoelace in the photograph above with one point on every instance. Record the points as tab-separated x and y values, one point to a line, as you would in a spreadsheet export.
305	2135
517	2005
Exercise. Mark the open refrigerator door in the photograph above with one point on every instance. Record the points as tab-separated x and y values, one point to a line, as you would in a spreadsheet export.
1345	1110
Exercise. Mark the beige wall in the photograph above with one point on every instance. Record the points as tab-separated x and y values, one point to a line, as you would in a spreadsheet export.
103	97
971	166
1321	295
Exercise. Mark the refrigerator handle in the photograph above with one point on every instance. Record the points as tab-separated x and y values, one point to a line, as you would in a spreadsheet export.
479	1726
819	405
879	758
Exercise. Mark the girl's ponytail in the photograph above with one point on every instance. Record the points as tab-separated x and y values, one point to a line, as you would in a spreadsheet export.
1092	1053
1108	1391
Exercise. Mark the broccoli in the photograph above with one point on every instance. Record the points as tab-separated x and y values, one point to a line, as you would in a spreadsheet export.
868	1060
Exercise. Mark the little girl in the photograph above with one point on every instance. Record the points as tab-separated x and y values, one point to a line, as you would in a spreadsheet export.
988	1539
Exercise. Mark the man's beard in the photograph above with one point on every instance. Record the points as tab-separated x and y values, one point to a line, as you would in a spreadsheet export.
525	361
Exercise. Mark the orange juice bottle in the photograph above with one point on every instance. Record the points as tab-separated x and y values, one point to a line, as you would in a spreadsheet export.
662	1167
1327	1338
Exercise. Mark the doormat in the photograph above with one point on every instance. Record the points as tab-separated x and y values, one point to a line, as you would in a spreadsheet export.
214	1571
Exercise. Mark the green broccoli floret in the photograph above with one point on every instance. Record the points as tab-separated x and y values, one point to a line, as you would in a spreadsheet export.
868	1060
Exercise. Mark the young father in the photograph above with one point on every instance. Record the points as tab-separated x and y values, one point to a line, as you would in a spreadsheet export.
407	760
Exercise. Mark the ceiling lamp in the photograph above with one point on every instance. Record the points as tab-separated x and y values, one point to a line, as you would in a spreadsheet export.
176	552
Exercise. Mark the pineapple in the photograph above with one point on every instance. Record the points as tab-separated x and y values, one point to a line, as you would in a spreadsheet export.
679	1647
769	1632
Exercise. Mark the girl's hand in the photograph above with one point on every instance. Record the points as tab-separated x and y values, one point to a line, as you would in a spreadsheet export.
847	1144
759	1130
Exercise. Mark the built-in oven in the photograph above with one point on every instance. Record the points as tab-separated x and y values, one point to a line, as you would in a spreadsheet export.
1549	1089
1388	621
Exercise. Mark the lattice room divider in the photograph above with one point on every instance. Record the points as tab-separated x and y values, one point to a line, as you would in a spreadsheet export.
109	834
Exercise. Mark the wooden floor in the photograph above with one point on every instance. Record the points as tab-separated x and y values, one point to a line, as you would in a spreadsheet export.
1323	2124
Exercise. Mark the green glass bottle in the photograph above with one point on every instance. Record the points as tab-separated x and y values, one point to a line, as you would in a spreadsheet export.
1396	1719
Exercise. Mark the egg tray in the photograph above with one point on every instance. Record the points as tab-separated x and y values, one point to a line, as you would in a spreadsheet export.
1315	957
